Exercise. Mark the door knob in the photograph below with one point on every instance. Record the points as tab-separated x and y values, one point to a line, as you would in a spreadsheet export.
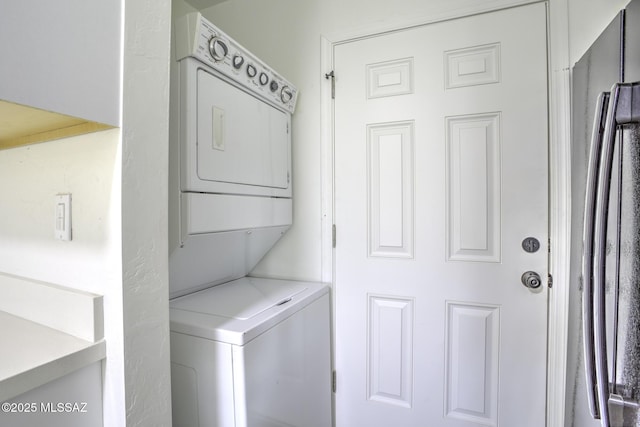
531	280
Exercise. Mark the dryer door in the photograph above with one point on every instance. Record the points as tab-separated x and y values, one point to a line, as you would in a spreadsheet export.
241	139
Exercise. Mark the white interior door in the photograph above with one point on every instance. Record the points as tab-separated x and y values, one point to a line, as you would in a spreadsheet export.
440	174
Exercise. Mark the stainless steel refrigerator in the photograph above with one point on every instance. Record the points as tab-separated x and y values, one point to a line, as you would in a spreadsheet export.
604	348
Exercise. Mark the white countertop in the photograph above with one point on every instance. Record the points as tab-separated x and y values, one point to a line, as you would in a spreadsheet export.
32	355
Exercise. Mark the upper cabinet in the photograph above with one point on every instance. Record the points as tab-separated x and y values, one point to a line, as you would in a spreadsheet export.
61	70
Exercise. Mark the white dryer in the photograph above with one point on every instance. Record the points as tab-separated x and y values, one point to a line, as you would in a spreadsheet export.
230	180
252	352
245	351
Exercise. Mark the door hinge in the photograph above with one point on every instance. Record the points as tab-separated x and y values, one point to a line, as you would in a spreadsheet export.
333	236
550	281
333	382
331	75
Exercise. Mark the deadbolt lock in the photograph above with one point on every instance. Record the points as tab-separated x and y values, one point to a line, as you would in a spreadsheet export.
531	245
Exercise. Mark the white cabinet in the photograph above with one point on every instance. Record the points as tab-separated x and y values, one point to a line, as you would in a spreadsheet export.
62	57
74	400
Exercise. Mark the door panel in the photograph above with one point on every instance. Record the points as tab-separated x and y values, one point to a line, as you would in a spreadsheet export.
241	139
440	173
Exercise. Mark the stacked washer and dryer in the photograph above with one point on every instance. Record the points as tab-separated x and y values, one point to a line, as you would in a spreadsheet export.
245	351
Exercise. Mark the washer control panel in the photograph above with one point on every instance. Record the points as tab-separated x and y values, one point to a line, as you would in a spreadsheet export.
199	38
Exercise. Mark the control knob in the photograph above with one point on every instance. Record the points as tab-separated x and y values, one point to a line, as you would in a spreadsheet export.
273	86
217	48
251	71
237	61
286	94
264	79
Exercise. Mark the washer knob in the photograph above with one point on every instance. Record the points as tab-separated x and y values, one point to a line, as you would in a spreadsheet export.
217	48
273	86
264	79
251	71
286	94
237	61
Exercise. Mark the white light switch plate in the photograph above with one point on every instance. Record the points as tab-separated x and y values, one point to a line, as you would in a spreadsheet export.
63	217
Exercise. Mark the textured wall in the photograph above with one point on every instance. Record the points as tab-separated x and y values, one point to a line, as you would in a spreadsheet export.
144	212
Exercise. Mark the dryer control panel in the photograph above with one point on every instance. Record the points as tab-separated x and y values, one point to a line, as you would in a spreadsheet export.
199	38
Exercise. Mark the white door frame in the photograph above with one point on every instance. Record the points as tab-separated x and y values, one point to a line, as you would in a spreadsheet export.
559	171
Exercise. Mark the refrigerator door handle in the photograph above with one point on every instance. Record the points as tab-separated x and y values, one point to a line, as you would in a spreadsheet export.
587	252
624	108
599	258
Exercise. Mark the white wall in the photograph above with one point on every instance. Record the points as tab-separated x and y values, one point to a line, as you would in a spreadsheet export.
587	19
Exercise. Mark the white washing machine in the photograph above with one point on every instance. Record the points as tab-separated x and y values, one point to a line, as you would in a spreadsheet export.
245	351
252	352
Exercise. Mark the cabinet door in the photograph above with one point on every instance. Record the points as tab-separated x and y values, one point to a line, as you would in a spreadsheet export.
63	56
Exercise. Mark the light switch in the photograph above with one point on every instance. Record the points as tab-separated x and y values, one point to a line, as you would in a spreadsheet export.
63	217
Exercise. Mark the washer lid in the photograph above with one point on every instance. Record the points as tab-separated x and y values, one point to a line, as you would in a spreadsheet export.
240	299
239	311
